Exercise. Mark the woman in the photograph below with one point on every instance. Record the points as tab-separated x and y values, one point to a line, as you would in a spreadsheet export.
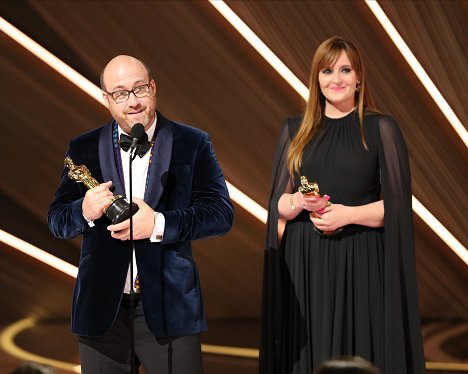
352	292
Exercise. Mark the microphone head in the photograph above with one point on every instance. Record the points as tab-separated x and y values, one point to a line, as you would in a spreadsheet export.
138	132
143	139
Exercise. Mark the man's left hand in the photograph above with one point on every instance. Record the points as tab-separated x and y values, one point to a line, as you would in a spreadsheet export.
143	224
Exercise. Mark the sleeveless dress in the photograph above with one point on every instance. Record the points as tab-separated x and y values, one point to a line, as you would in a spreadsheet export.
353	293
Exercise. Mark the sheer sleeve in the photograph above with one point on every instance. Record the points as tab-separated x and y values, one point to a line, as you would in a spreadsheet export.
279	182
272	282
402	323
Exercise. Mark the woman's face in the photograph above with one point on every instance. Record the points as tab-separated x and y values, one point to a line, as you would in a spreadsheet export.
338	84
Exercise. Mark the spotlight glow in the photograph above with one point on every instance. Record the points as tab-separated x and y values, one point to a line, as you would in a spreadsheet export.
440	230
55	63
418	69
7	343
38	254
247	203
261	47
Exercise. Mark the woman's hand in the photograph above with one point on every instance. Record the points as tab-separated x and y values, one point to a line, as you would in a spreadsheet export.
335	216
290	204
310	202
331	217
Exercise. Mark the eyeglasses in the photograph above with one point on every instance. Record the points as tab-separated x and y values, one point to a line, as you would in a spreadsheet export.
121	96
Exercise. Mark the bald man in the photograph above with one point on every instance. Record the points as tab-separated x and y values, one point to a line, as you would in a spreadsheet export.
181	194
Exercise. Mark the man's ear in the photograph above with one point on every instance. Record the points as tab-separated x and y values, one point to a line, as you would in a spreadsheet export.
105	96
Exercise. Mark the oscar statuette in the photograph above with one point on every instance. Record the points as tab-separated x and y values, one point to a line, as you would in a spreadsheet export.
118	209
312	189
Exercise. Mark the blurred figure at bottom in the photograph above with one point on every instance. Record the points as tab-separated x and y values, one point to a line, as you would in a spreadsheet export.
33	368
348	365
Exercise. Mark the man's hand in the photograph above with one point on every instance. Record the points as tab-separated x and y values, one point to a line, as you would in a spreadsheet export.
96	200
143	224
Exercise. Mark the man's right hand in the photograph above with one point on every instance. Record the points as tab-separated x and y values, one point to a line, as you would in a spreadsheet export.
96	200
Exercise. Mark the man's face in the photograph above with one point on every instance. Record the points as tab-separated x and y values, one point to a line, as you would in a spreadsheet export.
125	73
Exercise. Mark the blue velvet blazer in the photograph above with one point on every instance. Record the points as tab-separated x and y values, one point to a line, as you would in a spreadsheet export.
186	184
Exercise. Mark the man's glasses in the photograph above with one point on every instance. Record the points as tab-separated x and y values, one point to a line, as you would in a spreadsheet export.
121	96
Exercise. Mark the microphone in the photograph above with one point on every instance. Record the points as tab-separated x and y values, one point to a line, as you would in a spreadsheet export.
138	135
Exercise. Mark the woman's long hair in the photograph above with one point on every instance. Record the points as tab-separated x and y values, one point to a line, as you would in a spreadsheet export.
325	56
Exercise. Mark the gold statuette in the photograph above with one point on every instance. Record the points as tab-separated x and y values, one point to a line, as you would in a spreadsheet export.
312	189
118	209
308	188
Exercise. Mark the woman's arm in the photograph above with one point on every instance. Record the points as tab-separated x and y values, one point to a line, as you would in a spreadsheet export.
338	215
290	204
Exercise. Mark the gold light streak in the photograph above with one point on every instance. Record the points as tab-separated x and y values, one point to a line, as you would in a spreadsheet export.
55	63
418	70
247	203
261	47
7	342
38	254
230	351
418	208
440	230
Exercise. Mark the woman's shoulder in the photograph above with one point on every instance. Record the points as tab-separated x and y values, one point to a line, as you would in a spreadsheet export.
382	126
378	118
292	124
375	121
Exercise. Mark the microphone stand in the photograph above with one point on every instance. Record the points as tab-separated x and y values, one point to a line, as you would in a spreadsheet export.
132	245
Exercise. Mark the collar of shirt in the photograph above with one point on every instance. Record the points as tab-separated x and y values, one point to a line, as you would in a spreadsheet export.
149	132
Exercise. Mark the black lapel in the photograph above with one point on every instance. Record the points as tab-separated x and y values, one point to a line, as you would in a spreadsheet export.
107	160
160	163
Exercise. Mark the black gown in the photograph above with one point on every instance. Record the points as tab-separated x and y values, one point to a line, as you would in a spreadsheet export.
354	293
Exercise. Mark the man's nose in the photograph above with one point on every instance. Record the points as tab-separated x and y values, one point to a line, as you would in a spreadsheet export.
132	99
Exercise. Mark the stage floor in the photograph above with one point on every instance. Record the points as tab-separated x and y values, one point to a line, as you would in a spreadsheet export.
51	341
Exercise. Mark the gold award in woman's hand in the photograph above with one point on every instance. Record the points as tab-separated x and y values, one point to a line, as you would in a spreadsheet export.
312	188
118	209
308	188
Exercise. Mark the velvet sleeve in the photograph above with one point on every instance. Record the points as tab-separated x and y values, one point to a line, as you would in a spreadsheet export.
402	322
65	216
211	211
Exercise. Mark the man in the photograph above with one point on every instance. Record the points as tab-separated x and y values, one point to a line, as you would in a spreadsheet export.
181	196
